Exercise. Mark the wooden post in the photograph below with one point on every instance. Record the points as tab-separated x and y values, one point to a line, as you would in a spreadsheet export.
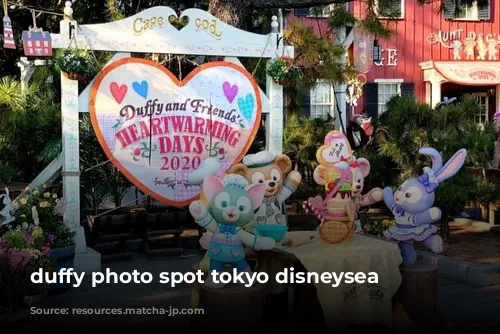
493	207
274	126
418	292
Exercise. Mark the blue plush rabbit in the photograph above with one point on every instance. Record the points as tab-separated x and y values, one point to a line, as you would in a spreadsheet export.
232	203
412	206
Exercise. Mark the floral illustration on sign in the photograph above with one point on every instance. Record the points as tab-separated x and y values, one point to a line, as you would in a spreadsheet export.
143	152
216	151
118	123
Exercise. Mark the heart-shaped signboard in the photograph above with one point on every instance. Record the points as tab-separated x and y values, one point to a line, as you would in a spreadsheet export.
157	129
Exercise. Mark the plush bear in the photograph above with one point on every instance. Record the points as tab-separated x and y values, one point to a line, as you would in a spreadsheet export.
275	172
360	169
232	204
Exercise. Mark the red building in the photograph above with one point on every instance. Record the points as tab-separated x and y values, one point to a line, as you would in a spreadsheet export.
434	54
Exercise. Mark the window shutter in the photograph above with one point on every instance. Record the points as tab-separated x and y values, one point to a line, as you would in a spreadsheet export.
371	100
483	12
408	89
302	11
305	102
449	9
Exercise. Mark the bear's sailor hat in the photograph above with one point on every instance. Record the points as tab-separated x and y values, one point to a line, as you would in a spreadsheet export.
235	180
260	159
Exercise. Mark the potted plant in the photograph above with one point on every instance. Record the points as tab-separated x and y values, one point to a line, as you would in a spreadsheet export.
23	251
46	209
75	64
283	71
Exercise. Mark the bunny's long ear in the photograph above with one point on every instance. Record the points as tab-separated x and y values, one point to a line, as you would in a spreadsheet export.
437	161
452	166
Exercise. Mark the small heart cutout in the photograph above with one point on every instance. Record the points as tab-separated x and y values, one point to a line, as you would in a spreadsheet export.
236	252
141	88
215	250
118	92
177	22
316	202
230	91
247	106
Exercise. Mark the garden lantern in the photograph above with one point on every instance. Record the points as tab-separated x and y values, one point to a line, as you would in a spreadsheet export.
377	52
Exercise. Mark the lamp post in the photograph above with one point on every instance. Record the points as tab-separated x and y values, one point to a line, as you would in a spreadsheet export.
377	52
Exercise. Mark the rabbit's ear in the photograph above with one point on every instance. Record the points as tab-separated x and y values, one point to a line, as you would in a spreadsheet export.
452	166
437	161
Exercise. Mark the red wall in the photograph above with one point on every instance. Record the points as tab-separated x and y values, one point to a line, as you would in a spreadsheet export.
410	39
319	25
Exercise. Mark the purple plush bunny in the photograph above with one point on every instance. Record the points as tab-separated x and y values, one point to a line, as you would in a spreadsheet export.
412	206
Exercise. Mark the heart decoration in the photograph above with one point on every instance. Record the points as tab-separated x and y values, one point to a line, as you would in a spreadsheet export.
141	88
230	91
178	22
161	134
247	106
236	252
118	92
215	250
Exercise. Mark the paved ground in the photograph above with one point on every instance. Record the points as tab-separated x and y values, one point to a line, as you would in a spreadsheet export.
459	305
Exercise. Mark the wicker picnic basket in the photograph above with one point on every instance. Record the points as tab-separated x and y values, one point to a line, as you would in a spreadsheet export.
335	231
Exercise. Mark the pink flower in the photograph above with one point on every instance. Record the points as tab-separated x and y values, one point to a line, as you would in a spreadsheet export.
19	259
221	151
137	152
46	250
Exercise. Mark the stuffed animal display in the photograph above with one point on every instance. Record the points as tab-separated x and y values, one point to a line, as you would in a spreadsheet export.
275	172
360	169
232	203
336	211
412	206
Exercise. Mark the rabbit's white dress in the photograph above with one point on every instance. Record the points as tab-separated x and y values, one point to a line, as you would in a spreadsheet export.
406	228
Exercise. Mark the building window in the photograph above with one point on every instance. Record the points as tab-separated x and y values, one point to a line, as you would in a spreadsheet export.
483	103
319	11
471	11
394	9
322	100
386	91
468	11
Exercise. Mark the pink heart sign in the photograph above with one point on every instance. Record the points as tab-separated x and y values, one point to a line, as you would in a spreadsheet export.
157	141
118	92
229	91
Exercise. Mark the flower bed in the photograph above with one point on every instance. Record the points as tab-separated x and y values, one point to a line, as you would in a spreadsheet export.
26	244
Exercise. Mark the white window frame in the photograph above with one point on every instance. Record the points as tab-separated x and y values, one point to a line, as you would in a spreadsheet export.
380	82
402	16
331	104
486	114
475	10
327	11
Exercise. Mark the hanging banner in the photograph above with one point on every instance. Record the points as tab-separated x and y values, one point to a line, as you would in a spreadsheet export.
363	51
157	129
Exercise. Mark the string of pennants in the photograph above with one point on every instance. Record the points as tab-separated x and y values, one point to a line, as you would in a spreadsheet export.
36	42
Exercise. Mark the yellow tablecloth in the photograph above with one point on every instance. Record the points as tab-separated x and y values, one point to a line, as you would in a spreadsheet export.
351	303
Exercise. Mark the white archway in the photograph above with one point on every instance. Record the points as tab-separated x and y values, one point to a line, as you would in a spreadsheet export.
151	32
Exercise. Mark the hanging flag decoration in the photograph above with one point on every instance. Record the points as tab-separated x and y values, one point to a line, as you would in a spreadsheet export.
363	51
8	35
37	42
355	89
